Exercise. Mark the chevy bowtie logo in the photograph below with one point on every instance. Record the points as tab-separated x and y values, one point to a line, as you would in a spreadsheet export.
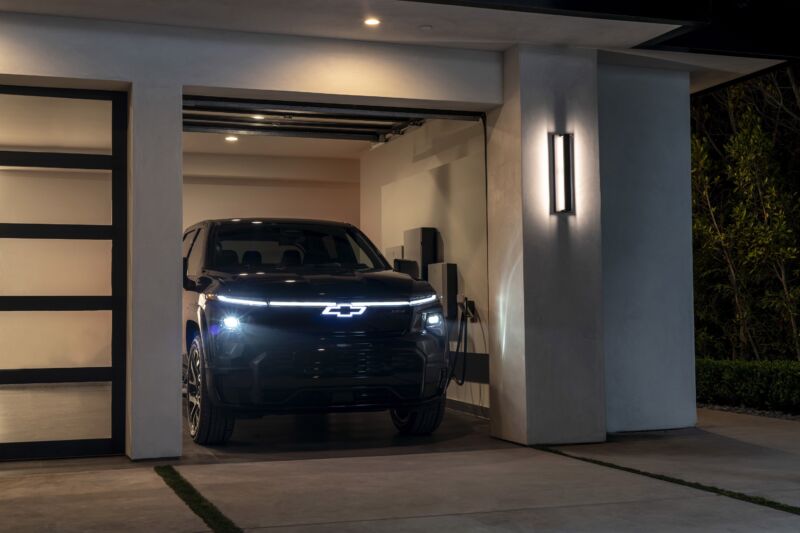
344	310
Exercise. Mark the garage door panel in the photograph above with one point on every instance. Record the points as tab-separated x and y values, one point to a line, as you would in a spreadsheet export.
63	271
54	267
55	196
55	411
53	124
55	339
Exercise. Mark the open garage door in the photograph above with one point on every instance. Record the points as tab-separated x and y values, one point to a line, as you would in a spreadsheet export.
387	171
63	210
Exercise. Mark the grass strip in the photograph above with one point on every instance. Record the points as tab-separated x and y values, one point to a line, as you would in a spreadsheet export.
757	500
203	508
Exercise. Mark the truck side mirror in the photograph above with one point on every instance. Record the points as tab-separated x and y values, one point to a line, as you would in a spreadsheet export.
406	266
188	284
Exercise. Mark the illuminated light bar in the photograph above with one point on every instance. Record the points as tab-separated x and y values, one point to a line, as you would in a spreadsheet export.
398	303
242	301
301	304
425	300
281	303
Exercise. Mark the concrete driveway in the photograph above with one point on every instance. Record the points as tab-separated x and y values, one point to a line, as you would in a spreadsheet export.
351	474
754	455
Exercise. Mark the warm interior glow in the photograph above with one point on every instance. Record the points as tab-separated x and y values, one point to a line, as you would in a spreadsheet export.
372	21
258	117
231	138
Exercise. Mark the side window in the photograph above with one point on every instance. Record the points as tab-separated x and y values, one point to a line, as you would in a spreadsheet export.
187	242
196	254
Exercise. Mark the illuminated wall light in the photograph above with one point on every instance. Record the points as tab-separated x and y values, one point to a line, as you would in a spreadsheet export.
562	175
372	21
231	138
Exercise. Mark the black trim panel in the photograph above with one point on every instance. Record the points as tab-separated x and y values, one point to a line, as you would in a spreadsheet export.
12	158
477	367
56	375
57	448
55	303
55	231
465	407
55	92
119	265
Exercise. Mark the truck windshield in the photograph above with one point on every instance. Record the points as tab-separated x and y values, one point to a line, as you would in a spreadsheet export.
254	245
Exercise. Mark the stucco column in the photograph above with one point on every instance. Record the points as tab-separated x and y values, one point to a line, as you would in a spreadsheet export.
545	270
648	304
154	290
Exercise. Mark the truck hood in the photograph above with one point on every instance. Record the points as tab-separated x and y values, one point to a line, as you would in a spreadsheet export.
337	286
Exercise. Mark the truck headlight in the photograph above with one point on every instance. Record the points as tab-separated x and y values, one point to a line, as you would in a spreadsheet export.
433	321
231	323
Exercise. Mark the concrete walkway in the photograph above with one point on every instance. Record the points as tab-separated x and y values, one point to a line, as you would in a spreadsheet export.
93	499
755	455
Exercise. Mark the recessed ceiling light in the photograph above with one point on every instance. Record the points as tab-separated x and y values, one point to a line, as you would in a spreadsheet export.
256	222
236	219
231	138
372	21
258	117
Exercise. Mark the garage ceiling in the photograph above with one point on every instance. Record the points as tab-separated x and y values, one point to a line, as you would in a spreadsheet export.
292	119
269	146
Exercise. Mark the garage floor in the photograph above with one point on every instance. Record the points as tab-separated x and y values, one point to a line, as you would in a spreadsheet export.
291	437
351	474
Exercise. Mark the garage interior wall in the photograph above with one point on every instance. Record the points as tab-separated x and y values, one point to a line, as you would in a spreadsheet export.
230	186
435	176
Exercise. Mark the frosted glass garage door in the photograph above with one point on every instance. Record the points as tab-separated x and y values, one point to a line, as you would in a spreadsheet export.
63	211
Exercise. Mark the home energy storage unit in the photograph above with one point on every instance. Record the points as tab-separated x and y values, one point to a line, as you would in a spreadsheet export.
443	277
421	245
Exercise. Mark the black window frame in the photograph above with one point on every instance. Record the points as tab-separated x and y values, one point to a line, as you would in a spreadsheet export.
200	238
188	236
117	233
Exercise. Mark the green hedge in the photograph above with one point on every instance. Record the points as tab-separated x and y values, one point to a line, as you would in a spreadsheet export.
769	385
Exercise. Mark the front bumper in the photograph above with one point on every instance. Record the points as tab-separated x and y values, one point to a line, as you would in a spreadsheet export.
268	366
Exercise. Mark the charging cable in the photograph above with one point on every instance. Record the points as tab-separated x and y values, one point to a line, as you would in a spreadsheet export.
467	313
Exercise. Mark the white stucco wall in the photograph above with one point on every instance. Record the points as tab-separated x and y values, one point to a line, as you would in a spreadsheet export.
645	163
547	374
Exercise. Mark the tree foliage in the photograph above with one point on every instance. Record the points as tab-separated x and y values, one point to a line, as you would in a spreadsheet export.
745	180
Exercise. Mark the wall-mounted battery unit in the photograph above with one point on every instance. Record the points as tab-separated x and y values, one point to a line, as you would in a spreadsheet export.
420	245
443	277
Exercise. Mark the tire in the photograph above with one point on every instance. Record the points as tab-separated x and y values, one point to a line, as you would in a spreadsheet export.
420	421
208	423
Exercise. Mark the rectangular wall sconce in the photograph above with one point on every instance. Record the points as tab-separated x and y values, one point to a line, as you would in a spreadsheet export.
562	179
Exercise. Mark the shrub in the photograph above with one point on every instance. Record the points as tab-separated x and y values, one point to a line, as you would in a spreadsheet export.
769	385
